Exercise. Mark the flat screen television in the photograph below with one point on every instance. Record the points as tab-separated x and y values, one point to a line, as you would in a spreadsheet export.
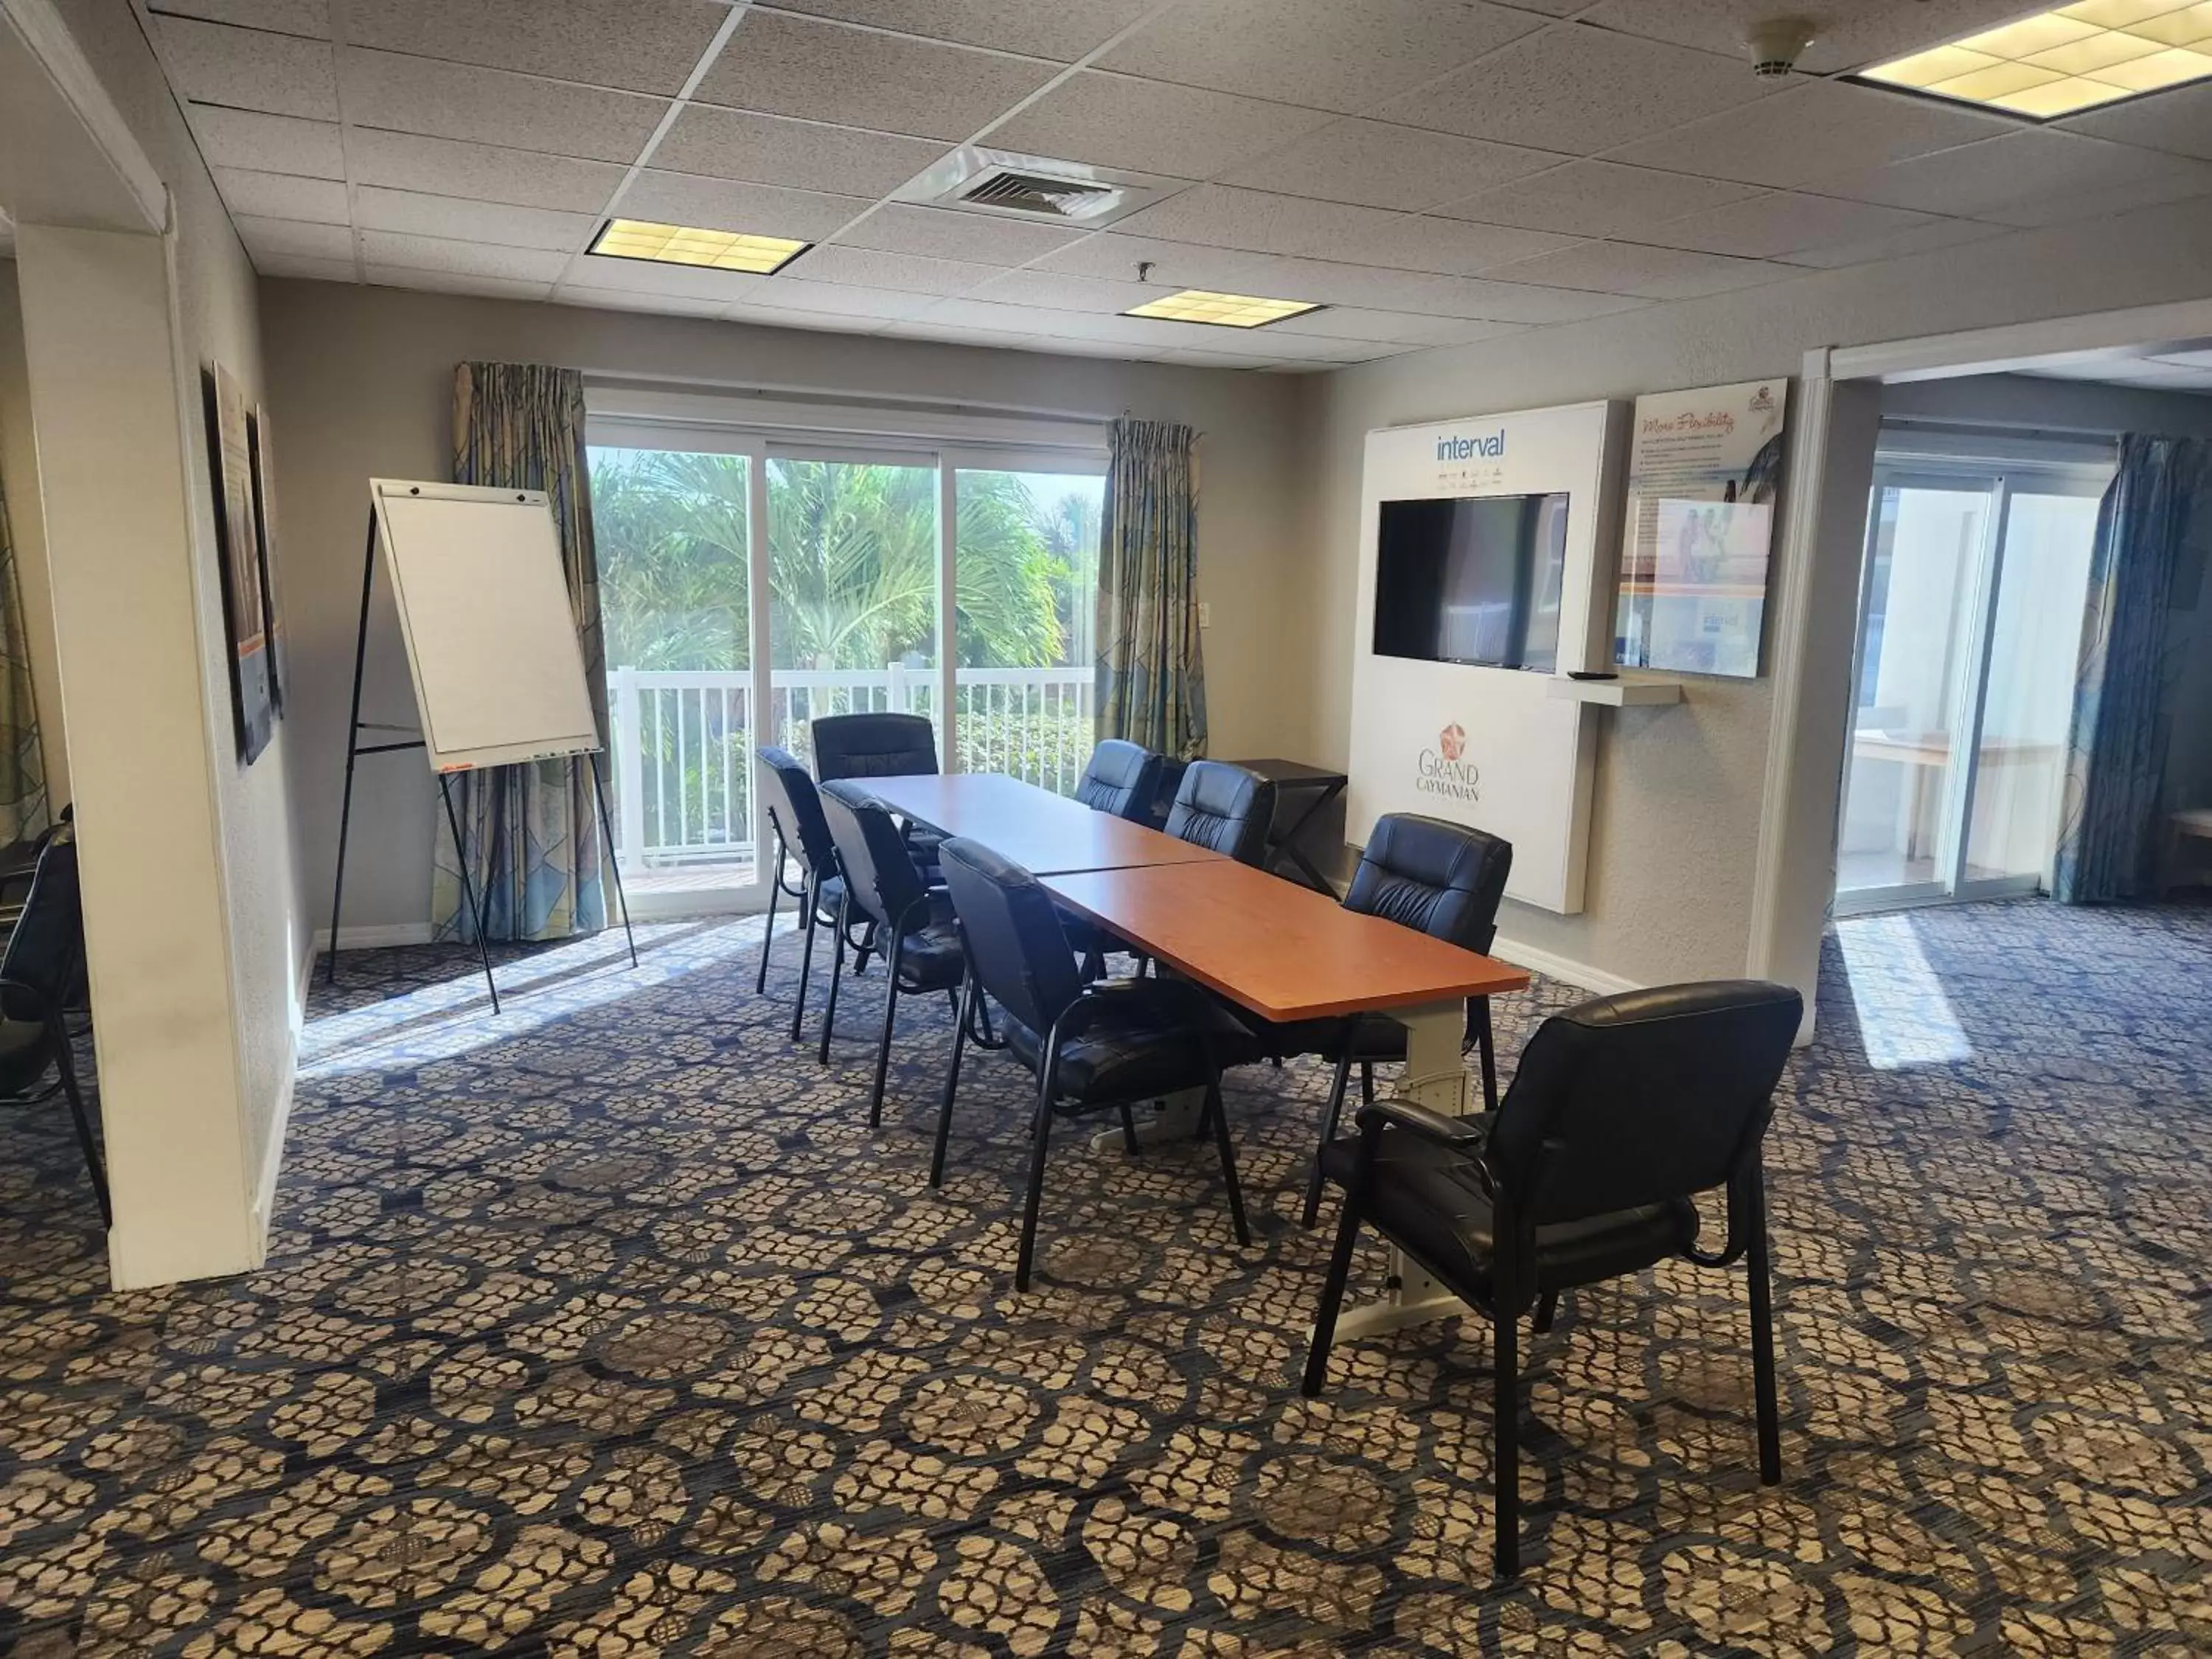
1472	580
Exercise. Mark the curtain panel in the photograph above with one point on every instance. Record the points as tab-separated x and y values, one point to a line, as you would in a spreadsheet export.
1151	678
530	833
22	764
2159	500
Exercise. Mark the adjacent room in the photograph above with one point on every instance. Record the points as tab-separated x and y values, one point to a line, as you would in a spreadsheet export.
1170	828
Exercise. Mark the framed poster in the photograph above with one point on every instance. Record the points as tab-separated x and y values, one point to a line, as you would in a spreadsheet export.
1703	468
273	613
245	621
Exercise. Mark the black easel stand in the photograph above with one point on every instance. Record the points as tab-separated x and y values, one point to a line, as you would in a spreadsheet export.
356	725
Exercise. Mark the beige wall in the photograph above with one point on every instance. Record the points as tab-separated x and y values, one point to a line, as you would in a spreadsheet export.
360	385
1676	816
27	526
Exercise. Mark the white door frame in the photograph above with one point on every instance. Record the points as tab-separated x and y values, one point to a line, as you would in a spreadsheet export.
1797	816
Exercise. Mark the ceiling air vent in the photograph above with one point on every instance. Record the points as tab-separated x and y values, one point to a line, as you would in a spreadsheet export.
976	180
1040	193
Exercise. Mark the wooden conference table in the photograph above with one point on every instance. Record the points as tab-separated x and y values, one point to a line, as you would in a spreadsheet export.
1274	946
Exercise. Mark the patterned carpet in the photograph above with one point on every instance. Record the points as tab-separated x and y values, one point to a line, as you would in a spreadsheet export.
605	1328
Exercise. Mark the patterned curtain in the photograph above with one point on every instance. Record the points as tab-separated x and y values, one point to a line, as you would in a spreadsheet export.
2115	770
1151	680
531	833
22	768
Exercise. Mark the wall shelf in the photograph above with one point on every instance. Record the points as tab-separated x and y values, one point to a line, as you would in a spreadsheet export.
1638	692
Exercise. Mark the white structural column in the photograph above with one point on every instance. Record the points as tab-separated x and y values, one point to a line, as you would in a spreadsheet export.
106	399
1435	1077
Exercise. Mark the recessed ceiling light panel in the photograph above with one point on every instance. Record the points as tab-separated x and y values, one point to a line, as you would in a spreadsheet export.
2093	53
683	245
1198	305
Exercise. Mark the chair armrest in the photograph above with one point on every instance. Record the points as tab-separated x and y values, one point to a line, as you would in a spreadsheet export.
1466	1132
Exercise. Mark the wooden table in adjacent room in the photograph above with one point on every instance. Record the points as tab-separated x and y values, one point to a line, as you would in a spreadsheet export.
1044	832
1288	953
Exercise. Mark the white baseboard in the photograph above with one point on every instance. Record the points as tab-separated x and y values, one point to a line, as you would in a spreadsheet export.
372	938
1578	973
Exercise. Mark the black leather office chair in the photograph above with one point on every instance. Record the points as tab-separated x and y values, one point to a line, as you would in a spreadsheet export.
1622	1109
913	925
1091	1047
801	834
39	975
1224	807
1440	878
1123	778
873	745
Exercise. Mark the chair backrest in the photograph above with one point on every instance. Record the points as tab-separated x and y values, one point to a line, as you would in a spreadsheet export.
48	938
795	808
1224	807
1651	1095
1122	779
1015	942
1444	879
873	746
879	872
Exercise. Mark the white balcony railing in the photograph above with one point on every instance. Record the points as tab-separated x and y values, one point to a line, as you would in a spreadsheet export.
683	742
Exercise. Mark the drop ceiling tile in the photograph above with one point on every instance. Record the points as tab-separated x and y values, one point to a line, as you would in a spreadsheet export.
1578	90
1928	237
2178	120
596	270
788	66
266	143
1226	361
310	18
1597	199
1149	126
457	281
1301	348
1258	223
294	237
1767	227
760	316
1650	273
1374	289
494	106
1057	291
248	68
1861	32
1404	328
2022	175
303	269
840	300
391	249
679	198
601	42
2154	187
1174	265
992	317
460	220
281	196
906	273
1378	165
947	234
1062	30
483	172
774	149
1797	134
1329	54
616	299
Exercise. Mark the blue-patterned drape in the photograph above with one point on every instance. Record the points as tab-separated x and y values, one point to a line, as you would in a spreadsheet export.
2109	826
1150	679
531	833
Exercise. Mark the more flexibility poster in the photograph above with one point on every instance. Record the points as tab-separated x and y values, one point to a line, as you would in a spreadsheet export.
231	461
1703	470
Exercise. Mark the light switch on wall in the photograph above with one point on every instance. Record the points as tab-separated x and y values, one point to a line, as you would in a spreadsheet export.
1205	614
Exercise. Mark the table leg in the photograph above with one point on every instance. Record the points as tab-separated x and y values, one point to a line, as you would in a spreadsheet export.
1436	1077
1285	845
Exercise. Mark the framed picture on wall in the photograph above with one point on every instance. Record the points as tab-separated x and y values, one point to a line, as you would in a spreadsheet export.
230	461
273	613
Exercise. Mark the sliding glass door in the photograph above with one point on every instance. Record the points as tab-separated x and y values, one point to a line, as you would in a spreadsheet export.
1969	625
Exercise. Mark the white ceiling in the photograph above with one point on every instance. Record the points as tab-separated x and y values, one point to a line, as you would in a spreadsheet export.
2173	366
1434	171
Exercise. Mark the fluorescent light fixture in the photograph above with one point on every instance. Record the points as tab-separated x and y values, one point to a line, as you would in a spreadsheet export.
681	245
2074	59
1198	305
